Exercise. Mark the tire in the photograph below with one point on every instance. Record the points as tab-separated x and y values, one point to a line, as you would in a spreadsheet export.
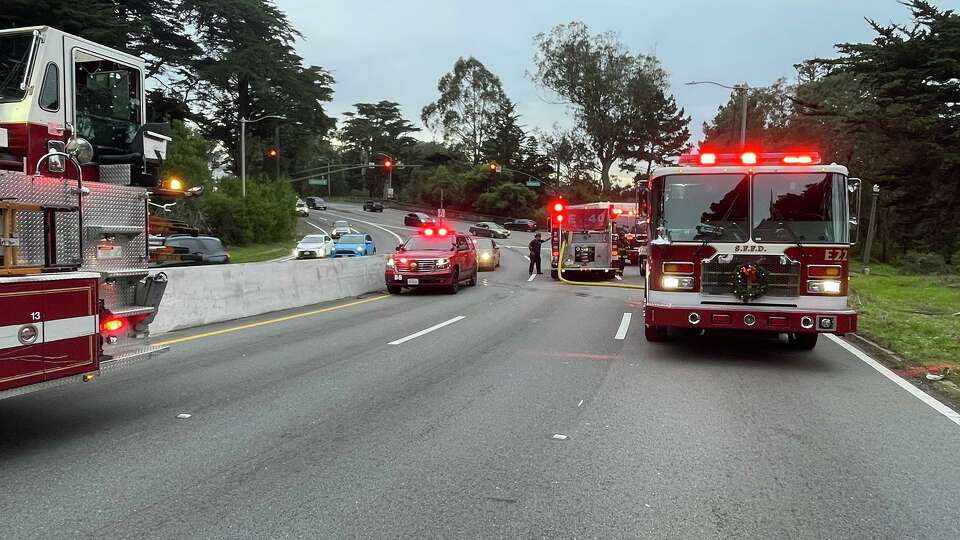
394	289
455	283
655	334
803	341
473	279
554	275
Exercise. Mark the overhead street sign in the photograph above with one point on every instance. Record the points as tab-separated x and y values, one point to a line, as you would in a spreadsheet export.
317	181
533	183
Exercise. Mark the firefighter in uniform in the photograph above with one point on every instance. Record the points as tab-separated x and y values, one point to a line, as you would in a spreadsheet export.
535	252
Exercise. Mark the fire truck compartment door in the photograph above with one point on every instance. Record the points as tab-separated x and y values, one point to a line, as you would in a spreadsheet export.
48	330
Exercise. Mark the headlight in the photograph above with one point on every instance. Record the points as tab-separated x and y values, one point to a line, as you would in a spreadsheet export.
485	256
443	263
359	249
673	282
391	263
295	251
824	286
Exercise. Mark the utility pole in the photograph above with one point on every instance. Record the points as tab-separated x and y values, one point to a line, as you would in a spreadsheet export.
276	144
743	118
243	148
871	229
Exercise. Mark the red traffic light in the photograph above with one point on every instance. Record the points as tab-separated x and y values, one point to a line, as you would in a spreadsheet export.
273	152
387	164
558	210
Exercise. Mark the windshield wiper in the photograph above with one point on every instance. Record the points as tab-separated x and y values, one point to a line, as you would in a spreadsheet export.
783	224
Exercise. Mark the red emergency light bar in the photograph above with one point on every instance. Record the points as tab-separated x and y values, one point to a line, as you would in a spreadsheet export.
751	158
430	232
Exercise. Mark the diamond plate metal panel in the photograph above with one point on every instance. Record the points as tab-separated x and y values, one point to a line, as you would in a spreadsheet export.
42	190
115	174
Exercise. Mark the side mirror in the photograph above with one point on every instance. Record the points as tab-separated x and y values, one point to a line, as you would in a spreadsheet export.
399	247
853	211
80	149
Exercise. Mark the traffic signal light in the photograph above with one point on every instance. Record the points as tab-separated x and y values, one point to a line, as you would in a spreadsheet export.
273	152
495	167
387	164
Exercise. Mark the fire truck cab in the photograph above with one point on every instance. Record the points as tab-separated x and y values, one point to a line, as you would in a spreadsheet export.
78	163
751	241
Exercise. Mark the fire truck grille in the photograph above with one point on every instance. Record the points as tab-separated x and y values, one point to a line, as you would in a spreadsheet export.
418	265
783	275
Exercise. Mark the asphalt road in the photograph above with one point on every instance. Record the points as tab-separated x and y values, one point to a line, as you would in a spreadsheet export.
318	426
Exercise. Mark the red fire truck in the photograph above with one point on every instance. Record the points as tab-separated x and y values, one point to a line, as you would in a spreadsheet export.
78	163
630	228
590	246
751	241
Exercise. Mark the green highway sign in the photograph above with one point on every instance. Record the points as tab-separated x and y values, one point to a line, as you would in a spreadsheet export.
533	183
317	181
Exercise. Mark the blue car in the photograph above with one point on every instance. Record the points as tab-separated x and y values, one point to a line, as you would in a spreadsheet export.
354	245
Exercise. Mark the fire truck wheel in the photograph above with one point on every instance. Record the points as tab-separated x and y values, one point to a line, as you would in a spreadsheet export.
393	289
655	334
803	341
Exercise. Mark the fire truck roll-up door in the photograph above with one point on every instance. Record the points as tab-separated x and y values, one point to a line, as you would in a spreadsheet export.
49	328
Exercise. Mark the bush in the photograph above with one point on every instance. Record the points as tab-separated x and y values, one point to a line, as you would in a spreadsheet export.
265	215
915	262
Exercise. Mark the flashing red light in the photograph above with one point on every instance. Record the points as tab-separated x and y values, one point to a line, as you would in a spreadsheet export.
559	218
558	207
442	231
748	158
801	159
428	232
708	158
388	164
112	325
617	211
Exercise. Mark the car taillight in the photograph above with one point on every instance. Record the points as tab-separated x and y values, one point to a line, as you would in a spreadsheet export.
442	231
428	232
678	268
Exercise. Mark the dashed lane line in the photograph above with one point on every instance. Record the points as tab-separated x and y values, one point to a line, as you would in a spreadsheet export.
425	331
624	326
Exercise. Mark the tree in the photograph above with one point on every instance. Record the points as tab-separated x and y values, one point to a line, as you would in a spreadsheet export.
377	127
567	151
249	69
504	142
769	111
470	98
506	199
663	133
604	82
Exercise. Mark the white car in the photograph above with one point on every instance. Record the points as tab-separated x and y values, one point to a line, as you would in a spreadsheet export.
314	246
302	209
340	227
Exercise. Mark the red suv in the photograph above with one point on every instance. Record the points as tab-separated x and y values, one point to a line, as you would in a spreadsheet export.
432	258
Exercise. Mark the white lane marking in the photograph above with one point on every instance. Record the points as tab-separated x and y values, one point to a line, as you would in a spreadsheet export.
532	277
427	330
580	404
318	227
624	326
618	278
951	414
527	257
397	236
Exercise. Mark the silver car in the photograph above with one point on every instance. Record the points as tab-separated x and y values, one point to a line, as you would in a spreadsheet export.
314	246
340	227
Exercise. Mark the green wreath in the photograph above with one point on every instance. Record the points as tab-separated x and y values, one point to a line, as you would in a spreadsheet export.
750	282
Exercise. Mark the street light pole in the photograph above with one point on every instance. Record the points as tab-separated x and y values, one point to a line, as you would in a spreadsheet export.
744	95
243	148
871	230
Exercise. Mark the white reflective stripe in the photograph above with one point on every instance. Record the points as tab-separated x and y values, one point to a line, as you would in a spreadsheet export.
9	335
54	330
69	328
693	299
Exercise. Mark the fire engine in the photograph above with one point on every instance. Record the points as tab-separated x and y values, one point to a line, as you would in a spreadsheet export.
599	238
78	163
751	241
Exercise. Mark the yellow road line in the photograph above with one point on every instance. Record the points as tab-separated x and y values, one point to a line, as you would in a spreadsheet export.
268	321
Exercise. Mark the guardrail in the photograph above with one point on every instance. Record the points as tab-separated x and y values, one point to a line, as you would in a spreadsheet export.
210	294
452	213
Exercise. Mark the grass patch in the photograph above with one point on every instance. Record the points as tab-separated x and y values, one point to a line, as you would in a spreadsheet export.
914	316
261	252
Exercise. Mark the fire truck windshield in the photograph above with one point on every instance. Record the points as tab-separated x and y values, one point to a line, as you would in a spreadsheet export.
14	61
799	207
703	207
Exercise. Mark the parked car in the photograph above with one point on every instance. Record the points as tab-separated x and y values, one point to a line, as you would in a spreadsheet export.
314	246
196	250
317	203
490	229
418	219
373	206
432	259
354	245
302	209
340	227
488	253
527	225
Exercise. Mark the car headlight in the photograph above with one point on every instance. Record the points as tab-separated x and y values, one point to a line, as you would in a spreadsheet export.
359	249
824	286
485	256
443	263
391	263
675	282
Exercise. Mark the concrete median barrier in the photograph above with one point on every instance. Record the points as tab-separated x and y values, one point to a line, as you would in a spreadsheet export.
209	294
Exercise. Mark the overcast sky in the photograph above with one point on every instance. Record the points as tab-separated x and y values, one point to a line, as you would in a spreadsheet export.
398	50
